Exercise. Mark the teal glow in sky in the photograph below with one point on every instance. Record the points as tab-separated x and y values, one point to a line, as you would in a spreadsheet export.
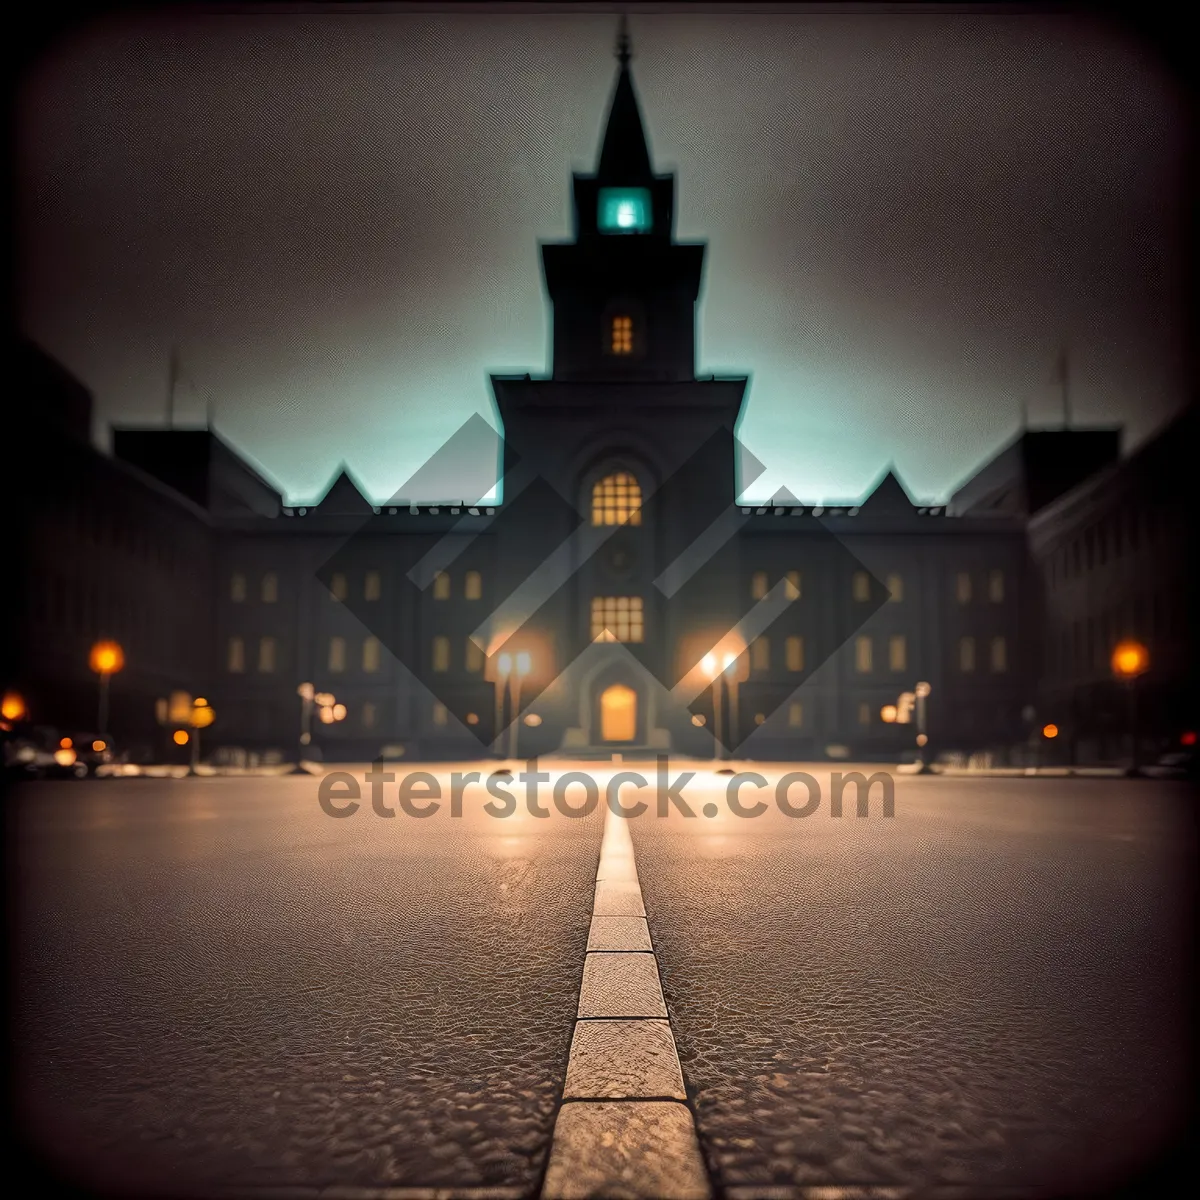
337	218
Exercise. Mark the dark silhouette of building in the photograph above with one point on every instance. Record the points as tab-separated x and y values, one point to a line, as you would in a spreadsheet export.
616	466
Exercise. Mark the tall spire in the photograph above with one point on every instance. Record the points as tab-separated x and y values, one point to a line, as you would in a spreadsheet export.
624	157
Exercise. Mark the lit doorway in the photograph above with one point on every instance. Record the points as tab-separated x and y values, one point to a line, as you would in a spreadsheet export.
618	714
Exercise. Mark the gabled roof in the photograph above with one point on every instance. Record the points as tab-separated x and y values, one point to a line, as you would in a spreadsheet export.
344	498
888	496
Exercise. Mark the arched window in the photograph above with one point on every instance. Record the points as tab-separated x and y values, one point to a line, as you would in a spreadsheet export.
617	500
621	329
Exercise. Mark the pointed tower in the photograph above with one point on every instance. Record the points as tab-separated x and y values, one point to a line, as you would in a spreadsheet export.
624	293
622	388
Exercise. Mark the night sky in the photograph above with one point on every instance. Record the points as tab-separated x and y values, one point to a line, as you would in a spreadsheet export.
336	217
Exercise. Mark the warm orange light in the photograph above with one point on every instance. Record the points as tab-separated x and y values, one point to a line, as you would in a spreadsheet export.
326	714
180	737
64	758
1130	659
99	745
532	720
12	707
888	713
339	712
1050	731
66	743
106	658
199	702
922	739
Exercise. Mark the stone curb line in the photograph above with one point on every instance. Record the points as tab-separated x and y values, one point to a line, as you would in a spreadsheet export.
624	1128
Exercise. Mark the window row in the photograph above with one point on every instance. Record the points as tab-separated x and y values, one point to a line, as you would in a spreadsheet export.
860	586
339	586
1123	530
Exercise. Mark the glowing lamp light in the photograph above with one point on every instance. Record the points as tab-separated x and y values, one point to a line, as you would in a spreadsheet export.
524	663
64	757
305	691
12	707
339	712
698	719
709	663
99	745
728	661
326	714
504	665
888	714
1130	659
65	743
1187	738
323	699
1050	731
106	658
533	720
922	690
922	739
180	737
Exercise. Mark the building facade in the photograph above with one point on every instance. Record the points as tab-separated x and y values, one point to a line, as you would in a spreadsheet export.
616	599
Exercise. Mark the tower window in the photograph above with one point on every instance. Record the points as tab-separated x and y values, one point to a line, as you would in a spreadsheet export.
617	500
617	619
623	210
441	586
622	335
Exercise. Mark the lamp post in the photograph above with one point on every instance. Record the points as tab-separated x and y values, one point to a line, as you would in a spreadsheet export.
709	663
202	717
106	659
504	665
1130	661
306	692
728	662
524	664
921	691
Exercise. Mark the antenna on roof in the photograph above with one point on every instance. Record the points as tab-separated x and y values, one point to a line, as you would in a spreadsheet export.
172	383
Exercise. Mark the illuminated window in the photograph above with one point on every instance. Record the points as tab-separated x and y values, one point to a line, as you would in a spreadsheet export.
370	654
439	713
895	587
962	587
621	341
266	655
966	654
474	656
617	500
473	586
863	653
760	654
793	585
337	586
270	588
441	653
441	586
368	715
623	210
372	586
996	587
759	585
617	619
999	655
237	655
795	715
898	652
864	714
862	586
794	652
237	588
337	654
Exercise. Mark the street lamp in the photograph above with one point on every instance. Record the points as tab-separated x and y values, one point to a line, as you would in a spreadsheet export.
728	662
504	664
106	659
921	692
12	707
1131	660
709	663
202	717
524	664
